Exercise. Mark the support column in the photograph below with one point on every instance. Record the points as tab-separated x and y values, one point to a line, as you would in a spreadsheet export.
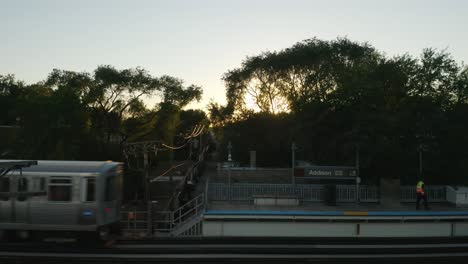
229	169
148	195
358	178
293	162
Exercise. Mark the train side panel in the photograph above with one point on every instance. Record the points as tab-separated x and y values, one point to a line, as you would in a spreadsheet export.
61	200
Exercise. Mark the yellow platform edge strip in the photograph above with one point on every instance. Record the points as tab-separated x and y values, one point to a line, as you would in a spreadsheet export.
356	213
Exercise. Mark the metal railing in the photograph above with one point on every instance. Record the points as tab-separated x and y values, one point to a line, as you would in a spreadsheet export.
196	230
254	175
435	193
310	193
167	222
369	194
150	221
304	192
134	222
345	193
192	171
189	210
162	222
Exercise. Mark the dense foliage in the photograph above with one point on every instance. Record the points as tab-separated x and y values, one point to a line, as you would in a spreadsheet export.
332	97
329	97
83	116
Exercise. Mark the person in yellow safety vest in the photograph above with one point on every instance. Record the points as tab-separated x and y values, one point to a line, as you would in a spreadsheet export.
421	194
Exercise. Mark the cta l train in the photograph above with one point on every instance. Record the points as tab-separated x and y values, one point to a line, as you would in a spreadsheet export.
72	197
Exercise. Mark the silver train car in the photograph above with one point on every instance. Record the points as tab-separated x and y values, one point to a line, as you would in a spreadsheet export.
61	196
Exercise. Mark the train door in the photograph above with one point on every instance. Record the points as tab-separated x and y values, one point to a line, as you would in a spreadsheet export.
87	211
21	201
5	200
37	200
112	197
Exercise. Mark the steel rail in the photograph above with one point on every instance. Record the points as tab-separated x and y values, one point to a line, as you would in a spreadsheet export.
292	246
113	256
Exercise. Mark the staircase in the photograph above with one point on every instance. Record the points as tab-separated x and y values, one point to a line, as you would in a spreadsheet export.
191	228
184	221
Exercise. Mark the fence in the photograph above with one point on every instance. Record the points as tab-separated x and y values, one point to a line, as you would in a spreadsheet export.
304	192
184	213
369	194
195	230
253	175
164	223
134	222
435	193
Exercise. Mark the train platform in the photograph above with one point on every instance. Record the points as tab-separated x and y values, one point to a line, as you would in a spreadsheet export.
247	207
345	221
320	208
240	193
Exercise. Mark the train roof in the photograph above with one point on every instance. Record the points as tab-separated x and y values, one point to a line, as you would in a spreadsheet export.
68	166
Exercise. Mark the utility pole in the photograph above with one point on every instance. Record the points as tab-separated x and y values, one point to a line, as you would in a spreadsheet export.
420	161
146	168
149	215
293	160
144	147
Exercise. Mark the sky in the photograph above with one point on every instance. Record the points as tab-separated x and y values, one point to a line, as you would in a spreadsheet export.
200	40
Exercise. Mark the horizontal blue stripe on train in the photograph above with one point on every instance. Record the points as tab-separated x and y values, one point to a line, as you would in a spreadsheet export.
337	213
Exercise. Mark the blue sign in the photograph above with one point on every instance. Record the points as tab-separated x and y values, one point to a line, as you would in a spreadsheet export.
87	212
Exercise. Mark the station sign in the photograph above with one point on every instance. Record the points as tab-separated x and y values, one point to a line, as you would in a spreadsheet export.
325	171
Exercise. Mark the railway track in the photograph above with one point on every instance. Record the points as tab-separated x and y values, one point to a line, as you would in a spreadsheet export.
262	251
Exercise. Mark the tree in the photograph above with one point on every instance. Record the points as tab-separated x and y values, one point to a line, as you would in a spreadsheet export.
312	70
113	95
10	91
435	76
340	94
78	115
113	92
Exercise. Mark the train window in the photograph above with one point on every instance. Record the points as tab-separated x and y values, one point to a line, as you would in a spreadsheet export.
4	188
89	190
42	185
38	184
110	189
60	190
58	181
22	187
5	184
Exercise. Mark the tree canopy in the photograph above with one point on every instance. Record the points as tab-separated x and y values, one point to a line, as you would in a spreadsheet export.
336	95
79	115
329	97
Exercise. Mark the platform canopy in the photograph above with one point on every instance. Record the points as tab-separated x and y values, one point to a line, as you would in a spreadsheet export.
8	165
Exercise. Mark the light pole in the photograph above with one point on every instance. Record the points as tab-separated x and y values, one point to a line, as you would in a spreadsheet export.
420	161
358	179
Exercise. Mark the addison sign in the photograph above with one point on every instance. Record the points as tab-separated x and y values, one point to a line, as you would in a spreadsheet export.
325	171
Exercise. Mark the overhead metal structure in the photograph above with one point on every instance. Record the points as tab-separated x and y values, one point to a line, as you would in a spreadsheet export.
9	165
146	148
